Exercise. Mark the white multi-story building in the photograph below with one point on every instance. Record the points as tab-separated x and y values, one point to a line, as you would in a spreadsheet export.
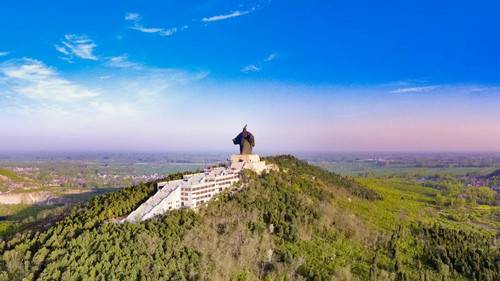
194	190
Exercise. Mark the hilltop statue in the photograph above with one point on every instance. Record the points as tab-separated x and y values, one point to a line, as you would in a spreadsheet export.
246	141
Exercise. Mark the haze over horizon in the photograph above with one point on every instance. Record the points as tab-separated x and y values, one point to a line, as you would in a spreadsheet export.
304	76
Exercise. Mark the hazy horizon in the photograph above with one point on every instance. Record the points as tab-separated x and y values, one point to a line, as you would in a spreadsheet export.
316	76
262	152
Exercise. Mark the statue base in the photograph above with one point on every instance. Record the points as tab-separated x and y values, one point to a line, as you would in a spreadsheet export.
248	161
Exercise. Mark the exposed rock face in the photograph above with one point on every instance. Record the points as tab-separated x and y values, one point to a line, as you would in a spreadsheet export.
42	197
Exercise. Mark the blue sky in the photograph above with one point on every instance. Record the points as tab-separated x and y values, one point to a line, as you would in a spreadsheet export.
168	75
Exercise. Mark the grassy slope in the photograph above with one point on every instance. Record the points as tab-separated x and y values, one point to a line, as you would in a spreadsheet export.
297	224
408	202
10	174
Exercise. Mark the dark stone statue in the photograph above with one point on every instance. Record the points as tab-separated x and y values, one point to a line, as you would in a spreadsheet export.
246	141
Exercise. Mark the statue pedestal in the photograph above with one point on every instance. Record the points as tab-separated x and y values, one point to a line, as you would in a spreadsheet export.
248	161
249	158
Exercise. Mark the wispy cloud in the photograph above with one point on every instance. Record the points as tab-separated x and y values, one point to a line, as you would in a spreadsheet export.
270	57
122	62
34	84
40	101
484	89
168	76
227	16
250	68
33	79
80	46
160	31
132	16
258	67
420	89
2	54
136	18
62	50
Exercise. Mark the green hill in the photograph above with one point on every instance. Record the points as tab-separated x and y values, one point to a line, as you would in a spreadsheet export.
298	223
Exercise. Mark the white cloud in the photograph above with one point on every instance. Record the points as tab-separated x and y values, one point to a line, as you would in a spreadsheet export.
62	49
146	29
42	106
260	65
122	62
143	72
132	16
148	75
420	89
250	68
67	59
77	46
160	31
484	89
226	16
168	32
270	57
2	54
256	68
33	79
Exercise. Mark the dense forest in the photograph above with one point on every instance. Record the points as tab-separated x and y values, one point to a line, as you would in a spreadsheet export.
297	223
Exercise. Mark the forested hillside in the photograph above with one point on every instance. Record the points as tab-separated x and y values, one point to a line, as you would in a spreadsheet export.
298	223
